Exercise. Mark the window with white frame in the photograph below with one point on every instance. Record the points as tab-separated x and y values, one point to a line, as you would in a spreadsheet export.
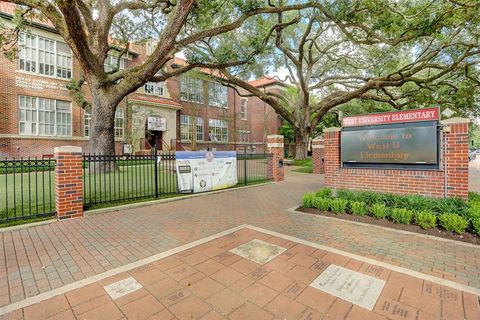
191	89
87	119
119	123
218	130
111	63
151	45
217	95
64	61
244	135
243	108
44	56
186	128
155	88
44	117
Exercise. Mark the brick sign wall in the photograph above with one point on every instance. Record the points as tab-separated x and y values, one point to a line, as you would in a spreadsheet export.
450	179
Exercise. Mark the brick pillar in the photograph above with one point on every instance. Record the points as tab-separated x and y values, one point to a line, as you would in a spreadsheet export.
332	155
318	153
456	157
68	182
275	146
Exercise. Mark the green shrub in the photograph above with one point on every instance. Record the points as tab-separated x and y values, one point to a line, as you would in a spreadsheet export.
308	199
338	206
324	193
401	215
359	208
322	204
473	196
346	194
448	205
425	219
476	225
379	210
453	222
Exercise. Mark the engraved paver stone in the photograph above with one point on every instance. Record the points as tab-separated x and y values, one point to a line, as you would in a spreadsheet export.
123	287
258	251
352	286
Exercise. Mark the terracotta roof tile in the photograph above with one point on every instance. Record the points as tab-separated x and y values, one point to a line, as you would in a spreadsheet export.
9	8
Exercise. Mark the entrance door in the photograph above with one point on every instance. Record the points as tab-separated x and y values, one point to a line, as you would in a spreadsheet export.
154	139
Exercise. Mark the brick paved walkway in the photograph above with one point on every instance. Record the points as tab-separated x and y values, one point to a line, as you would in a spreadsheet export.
42	258
210	282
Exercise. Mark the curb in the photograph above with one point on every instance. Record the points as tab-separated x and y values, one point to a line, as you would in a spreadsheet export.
28	225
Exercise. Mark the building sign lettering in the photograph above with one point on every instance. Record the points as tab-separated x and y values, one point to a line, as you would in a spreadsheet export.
427	114
37	84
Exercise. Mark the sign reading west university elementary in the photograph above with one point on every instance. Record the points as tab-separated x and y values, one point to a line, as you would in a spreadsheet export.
427	114
403	138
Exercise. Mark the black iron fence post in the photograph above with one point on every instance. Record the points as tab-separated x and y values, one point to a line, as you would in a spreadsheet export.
155	171
245	165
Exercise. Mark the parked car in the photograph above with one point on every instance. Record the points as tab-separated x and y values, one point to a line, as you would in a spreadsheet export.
473	154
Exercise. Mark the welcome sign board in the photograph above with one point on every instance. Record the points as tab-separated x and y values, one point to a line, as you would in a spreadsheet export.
200	171
407	138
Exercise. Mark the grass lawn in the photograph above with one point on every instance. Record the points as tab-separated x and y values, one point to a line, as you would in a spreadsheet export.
306	166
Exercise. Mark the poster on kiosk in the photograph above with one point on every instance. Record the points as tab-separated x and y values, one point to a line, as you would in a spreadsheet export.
200	171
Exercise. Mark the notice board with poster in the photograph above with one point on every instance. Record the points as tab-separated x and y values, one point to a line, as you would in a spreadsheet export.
200	171
157	123
403	139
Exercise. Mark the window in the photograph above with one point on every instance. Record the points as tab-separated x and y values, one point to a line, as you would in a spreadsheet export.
111	63
87	120
243	108
217	95
186	127
191	89
244	135
218	130
44	56
119	120
155	88
64	118
44	117
151	45
64	61
119	123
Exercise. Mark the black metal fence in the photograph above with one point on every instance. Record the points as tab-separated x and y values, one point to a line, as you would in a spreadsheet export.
108	179
253	167
127	178
26	189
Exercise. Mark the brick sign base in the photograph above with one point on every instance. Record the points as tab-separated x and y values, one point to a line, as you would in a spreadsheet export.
452	182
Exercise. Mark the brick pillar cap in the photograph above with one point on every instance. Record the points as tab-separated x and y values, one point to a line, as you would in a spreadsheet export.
332	129
455	120
274	136
72	149
317	140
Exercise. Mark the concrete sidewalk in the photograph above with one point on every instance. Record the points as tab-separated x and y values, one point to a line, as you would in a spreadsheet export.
38	259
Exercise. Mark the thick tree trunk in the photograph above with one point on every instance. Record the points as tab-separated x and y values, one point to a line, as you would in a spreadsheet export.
102	133
301	143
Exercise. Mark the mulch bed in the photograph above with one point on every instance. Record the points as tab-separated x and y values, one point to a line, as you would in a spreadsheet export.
437	232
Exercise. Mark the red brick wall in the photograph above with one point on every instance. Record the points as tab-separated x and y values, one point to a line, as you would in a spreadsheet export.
275	146
318	152
68	183
429	183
